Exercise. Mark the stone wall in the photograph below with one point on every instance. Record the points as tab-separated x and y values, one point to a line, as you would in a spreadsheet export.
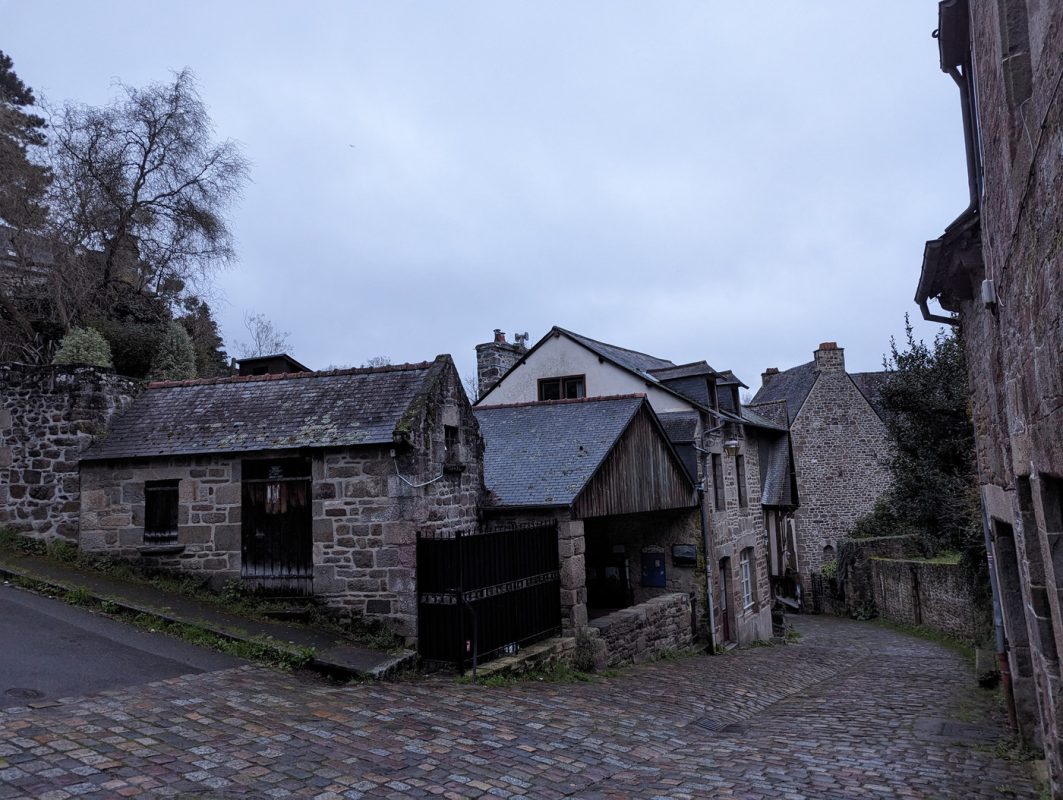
1015	347
935	596
840	446
647	630
48	415
368	504
494	359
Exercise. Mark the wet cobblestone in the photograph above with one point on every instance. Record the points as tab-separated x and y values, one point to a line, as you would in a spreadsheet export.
852	711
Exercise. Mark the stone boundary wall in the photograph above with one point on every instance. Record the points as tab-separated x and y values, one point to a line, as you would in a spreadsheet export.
48	415
645	631
854	558
931	595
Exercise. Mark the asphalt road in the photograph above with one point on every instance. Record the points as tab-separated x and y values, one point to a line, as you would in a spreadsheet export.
50	650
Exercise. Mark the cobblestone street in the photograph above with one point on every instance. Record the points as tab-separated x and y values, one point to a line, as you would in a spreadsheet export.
853	710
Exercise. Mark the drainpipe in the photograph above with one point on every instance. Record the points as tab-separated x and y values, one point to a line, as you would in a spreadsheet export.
706	539
973	172
998	623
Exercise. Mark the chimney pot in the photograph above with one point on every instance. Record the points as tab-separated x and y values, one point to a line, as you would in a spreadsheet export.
500	337
829	346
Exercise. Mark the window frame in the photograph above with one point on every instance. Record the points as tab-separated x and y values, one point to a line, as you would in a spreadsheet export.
162	491
745	559
562	382
719	498
740	480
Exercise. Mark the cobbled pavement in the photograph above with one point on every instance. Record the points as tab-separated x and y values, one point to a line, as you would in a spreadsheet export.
854	710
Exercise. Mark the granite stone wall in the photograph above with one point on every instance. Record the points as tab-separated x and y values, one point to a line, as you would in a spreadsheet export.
368	504
1015	347
935	596
647	630
48	415
840	448
494	359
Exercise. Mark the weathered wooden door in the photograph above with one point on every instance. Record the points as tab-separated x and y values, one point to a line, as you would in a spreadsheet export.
277	543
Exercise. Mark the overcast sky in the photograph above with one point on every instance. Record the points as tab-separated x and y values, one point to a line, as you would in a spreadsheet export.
729	181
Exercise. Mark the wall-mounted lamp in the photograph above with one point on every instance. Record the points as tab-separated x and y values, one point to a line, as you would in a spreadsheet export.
730	447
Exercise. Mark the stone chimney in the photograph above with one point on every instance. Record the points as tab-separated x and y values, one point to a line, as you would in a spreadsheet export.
767	375
830	358
494	358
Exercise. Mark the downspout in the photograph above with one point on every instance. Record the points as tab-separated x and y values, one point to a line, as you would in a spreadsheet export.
973	171
998	623
706	542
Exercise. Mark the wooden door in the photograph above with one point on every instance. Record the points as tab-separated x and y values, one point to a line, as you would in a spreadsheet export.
725	599
277	543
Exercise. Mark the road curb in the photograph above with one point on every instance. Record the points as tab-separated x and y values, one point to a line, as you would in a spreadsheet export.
319	662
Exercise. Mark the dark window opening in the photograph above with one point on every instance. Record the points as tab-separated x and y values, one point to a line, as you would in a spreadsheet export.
740	477
571	387
717	481
450	440
160	512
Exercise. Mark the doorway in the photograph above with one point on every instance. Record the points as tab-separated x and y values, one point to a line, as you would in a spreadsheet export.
276	533
726	606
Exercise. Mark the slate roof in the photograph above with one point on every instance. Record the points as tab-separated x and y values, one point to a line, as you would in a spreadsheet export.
792	385
751	417
679	426
776	479
543	454
267	412
693	369
632	359
870	385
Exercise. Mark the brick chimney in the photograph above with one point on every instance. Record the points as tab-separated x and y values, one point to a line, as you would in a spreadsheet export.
767	375
494	358
830	358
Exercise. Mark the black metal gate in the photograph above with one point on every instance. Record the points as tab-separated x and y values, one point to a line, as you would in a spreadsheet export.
276	543
485	593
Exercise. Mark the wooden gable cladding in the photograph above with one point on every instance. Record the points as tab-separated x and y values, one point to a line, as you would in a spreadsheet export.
641	473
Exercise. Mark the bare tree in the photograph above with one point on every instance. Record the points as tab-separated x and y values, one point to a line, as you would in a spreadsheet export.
142	183
266	338
378	361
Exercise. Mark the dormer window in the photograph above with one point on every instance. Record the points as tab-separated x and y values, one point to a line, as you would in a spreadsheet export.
570	387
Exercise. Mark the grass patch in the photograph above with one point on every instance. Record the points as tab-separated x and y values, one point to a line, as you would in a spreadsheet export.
964	648
557	673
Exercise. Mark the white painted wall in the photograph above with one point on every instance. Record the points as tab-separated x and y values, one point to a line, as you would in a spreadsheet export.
560	356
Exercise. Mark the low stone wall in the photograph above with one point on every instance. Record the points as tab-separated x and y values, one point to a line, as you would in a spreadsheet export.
854	569
48	415
921	593
645	631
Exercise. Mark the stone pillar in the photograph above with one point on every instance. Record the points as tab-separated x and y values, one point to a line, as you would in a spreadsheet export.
571	561
830	358
494	359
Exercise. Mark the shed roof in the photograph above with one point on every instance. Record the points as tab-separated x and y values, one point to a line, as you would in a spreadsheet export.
776	475
680	426
268	412
543	454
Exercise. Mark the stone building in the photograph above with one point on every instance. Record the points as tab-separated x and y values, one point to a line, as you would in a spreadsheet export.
48	415
997	270
300	483
839	442
718	443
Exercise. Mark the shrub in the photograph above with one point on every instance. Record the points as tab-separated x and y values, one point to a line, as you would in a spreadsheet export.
175	358
84	346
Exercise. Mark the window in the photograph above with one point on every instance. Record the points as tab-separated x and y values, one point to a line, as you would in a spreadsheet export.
450	440
740	476
717	481
567	388
745	562
160	511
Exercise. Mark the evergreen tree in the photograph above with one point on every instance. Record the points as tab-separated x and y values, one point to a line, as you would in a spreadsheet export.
934	492
23	181
84	346
199	322
175	359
